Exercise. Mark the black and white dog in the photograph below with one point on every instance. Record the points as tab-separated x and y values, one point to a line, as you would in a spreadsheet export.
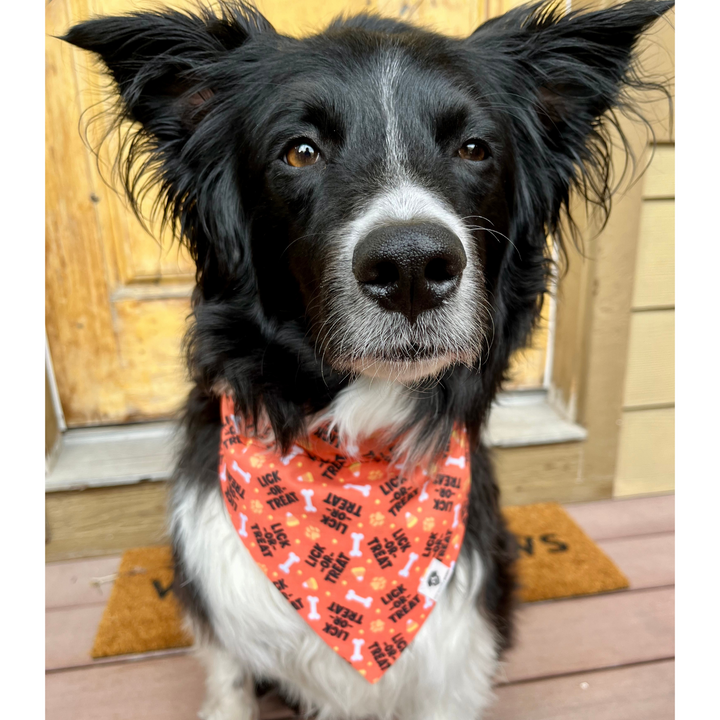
368	210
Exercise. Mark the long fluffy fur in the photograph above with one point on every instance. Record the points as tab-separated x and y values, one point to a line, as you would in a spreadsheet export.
204	100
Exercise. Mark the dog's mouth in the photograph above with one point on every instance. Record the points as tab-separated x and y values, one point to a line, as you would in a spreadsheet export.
407	363
365	340
412	352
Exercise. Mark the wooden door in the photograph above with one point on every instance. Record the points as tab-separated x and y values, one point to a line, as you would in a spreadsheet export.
117	298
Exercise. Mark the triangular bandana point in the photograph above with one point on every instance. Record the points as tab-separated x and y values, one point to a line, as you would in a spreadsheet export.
360	550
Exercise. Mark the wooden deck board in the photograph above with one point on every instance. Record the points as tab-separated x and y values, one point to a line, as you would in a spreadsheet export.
647	560
166	689
576	635
69	635
625	518
171	689
640	692
75	582
601	631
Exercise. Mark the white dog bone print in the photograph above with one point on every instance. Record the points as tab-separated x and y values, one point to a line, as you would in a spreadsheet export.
352	595
235	425
356	551
314	614
364	489
307	494
459	461
245	475
292	559
352	450
357	655
456	521
406	570
292	454
242	531
429	602
423	495
223	473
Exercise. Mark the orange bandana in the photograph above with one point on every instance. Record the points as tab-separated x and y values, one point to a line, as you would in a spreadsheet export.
360	550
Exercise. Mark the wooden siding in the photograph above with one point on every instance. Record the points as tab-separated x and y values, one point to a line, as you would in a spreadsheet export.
650	374
655	272
645	462
646	457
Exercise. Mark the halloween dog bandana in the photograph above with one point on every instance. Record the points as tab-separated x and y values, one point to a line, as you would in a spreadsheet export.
358	548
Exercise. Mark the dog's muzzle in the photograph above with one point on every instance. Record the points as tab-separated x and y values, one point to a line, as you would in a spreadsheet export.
409	268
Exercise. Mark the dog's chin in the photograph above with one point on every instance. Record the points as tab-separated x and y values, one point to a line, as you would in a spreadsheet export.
407	372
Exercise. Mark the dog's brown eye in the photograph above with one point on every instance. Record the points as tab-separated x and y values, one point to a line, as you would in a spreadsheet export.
302	155
473	150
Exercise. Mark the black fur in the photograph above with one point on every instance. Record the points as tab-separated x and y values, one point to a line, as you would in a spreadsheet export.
207	104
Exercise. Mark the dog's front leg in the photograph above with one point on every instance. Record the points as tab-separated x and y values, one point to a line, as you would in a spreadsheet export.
230	690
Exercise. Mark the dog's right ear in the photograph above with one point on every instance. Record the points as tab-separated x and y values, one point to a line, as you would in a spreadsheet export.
162	61
170	70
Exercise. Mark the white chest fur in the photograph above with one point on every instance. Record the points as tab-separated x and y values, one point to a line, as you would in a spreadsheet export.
444	674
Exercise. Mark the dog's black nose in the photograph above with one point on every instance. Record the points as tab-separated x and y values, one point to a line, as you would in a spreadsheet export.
409	268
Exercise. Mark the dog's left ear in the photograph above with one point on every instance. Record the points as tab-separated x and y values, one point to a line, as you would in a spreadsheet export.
556	75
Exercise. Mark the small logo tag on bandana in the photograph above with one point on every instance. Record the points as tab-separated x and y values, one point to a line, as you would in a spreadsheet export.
434	579
359	549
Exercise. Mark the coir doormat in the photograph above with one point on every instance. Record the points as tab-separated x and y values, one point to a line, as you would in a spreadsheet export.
556	560
142	613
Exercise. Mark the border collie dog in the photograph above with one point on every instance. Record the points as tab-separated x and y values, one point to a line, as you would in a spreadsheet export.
368	209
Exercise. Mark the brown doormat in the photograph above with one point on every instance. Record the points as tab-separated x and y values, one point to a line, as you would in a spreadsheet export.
142	613
556	560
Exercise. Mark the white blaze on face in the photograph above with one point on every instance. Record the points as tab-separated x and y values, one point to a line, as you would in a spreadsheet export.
363	338
390	76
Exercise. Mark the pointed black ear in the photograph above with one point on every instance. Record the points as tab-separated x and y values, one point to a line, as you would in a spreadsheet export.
558	78
162	61
170	70
576	63
554	81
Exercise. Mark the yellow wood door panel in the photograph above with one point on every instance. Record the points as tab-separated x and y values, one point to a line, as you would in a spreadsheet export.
117	297
116	358
650	372
646	457
655	267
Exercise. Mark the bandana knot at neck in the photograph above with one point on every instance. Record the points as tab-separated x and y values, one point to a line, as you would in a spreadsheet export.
360	549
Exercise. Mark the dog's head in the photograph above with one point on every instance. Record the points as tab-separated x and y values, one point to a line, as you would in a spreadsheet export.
371	200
